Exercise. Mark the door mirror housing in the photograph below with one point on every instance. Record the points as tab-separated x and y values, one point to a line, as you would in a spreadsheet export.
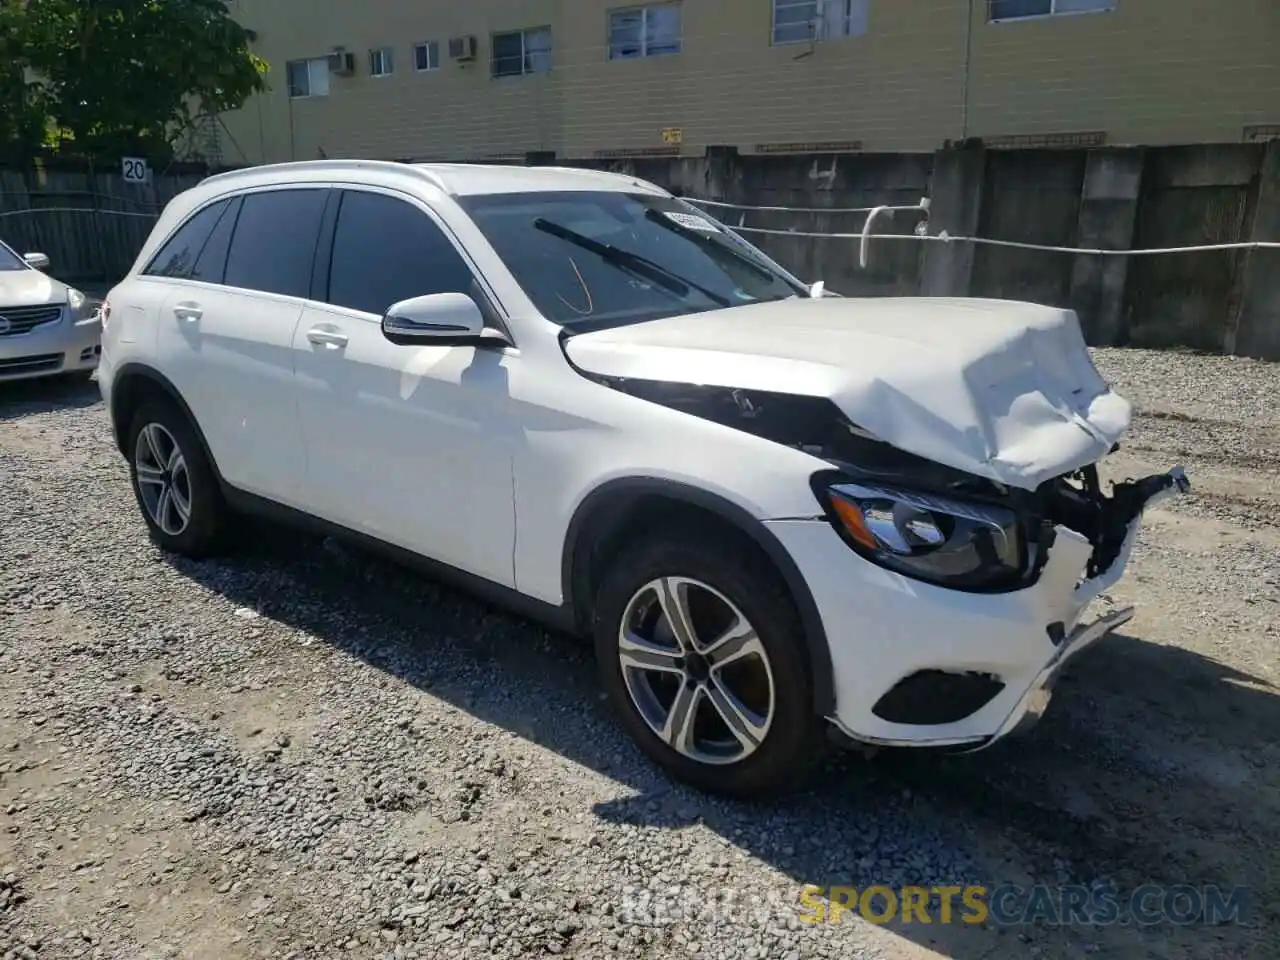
38	261
436	320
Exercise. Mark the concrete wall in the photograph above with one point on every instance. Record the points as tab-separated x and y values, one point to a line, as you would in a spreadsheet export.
1109	198
925	72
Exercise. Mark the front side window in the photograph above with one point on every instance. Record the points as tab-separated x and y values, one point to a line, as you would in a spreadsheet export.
179	253
308	78
589	259
1021	9
275	241
796	21
386	250
522	52
651	31
380	62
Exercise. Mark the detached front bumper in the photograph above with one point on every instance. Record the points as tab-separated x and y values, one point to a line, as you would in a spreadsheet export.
65	345
923	666
1028	711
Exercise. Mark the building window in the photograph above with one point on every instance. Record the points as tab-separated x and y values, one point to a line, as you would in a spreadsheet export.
426	56
380	62
797	21
521	52
1021	9
652	31
308	78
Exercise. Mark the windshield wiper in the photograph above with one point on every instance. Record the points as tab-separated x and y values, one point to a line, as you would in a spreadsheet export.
633	262
706	243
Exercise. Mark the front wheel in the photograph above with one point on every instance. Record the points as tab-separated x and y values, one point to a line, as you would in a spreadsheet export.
702	653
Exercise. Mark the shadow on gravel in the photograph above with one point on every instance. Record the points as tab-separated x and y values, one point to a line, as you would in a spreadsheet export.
1068	805
22	398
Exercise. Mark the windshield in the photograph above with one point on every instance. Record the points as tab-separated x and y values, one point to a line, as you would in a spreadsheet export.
591	259
10	260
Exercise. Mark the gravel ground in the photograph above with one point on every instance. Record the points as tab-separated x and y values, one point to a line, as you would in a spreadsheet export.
303	752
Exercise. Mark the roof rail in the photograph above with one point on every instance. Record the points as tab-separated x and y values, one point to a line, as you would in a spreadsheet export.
335	165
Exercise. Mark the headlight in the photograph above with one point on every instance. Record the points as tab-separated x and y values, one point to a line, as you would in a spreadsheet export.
78	305
952	543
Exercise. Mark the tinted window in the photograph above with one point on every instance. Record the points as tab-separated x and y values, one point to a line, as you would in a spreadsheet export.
179	253
385	250
275	241
10	260
212	262
591	259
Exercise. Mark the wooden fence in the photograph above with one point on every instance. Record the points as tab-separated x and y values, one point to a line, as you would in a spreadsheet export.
91	223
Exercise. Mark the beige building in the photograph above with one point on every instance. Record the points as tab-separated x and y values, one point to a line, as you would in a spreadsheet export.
476	79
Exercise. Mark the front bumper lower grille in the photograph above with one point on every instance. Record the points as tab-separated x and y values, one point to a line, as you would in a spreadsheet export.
17	366
931	697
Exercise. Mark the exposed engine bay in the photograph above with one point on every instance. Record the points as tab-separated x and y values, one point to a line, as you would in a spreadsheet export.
817	426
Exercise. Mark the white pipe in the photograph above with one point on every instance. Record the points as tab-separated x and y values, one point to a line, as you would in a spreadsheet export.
1083	251
866	235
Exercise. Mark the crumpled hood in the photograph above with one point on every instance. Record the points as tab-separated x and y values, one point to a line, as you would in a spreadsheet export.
1000	389
22	288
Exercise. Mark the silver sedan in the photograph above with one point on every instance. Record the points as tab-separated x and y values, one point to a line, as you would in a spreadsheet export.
46	327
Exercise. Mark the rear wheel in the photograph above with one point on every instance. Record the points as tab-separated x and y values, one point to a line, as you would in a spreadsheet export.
702	654
173	481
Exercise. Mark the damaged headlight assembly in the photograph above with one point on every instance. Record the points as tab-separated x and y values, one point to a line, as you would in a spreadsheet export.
914	516
977	547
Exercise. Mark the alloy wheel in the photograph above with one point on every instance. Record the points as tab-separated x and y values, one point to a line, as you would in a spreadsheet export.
696	671
163	481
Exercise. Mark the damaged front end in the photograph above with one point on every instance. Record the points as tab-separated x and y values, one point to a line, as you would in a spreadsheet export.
1022	564
902	511
918	517
1077	502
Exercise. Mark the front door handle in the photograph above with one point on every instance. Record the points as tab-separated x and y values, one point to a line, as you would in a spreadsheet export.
324	337
187	311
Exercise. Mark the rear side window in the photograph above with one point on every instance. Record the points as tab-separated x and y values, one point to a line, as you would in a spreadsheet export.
212	262
386	250
275	241
180	252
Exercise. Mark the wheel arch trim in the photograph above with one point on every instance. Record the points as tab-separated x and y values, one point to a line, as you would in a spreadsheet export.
599	506
142	371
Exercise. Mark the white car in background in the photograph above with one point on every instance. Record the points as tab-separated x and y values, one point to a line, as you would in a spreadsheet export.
46	327
773	512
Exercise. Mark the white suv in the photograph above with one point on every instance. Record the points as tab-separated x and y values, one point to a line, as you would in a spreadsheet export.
773	511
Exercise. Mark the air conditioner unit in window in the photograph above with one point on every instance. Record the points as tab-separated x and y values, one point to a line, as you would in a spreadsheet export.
462	48
342	63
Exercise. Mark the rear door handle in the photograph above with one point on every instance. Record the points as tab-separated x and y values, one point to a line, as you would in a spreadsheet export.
324	337
189	312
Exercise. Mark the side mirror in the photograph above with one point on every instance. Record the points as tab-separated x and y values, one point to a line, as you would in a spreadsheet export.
37	260
439	320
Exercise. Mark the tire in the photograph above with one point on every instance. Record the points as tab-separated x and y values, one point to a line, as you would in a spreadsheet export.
791	739
203	531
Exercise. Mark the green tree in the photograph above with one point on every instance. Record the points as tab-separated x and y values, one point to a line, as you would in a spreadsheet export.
117	76
23	119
